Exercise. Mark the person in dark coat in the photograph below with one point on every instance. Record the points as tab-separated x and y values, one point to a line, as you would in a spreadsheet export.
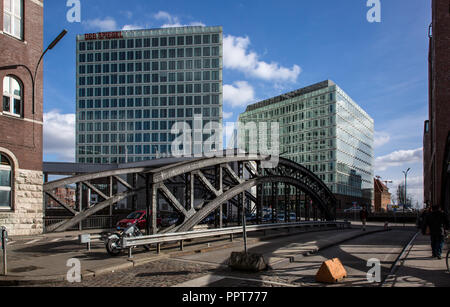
436	223
363	216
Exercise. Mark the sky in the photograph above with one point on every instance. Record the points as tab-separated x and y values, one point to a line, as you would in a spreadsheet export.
272	47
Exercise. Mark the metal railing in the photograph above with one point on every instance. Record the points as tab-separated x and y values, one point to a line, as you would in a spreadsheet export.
94	222
130	242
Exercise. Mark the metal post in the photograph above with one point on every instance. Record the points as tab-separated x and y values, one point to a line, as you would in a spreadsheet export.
4	241
147	202
158	248
110	207
244	222
80	202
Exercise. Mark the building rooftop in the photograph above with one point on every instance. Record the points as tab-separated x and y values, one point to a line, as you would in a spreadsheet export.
296	93
156	32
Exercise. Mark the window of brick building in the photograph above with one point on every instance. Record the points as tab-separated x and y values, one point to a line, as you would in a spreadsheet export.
5	182
12	96
12	17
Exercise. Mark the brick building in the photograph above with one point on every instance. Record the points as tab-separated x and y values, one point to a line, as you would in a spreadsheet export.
382	196
21	43
437	127
66	194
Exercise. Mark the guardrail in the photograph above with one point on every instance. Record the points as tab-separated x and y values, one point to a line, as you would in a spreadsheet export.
130	242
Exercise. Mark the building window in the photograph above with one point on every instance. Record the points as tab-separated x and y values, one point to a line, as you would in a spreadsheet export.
12	17
5	182
12	96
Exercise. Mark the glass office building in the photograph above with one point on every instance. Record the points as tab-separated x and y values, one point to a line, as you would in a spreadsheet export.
322	128
133	86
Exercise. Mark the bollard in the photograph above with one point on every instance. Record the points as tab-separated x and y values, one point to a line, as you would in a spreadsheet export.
4	242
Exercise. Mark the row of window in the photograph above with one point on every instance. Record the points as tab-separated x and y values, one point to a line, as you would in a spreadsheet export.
149	42
149	90
149	54
124	150
147	102
149	66
155	114
150	78
126	159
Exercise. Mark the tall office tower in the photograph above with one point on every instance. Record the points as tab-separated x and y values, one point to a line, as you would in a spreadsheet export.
133	86
322	128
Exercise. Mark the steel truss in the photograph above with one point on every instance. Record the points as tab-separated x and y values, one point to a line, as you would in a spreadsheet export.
228	183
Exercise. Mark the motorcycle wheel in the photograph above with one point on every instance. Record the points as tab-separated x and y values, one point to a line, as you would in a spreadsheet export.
112	251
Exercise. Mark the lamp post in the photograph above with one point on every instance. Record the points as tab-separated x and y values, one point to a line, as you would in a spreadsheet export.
33	75
406	195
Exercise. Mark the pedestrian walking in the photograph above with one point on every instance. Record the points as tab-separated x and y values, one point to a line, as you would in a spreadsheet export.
363	216
436	225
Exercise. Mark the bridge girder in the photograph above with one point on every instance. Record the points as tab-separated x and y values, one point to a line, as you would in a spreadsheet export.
244	177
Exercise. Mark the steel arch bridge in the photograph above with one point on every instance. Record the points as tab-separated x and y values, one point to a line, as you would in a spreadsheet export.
228	182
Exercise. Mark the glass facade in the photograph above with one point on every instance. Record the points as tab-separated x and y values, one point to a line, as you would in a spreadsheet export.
133	86
322	128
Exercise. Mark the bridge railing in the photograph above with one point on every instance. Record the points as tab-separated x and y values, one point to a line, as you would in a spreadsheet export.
94	222
130	242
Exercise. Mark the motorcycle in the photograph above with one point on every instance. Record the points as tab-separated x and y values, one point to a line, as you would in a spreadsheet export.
113	242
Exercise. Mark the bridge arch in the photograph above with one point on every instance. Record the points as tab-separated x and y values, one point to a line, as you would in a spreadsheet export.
223	178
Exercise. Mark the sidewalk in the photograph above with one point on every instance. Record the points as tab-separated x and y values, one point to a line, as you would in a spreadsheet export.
419	269
46	262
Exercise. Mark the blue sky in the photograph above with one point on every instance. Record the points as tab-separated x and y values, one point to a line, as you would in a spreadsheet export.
271	47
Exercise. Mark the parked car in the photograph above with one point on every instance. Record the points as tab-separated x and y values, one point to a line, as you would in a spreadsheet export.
210	219
138	218
281	217
169	220
251	217
267	218
353	209
292	217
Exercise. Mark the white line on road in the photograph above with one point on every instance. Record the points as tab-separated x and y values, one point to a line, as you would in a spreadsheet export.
210	279
31	242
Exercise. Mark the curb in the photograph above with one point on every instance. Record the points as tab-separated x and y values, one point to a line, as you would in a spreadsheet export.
389	280
291	259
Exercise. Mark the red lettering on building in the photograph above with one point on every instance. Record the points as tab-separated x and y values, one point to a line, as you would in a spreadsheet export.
103	35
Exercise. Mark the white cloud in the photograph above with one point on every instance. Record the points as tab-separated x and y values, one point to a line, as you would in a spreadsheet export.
227	115
398	158
381	138
239	94
132	27
174	21
106	24
59	135
237	56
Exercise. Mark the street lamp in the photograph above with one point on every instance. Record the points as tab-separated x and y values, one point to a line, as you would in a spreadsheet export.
406	195
33	76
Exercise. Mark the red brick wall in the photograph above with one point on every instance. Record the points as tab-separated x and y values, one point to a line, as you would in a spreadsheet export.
23	137
439	97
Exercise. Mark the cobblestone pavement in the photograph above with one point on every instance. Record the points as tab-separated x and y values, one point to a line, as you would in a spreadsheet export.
171	272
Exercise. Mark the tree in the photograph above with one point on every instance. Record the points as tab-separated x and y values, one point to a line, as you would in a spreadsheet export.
401	196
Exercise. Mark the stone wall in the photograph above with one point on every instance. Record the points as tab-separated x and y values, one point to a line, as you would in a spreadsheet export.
27	215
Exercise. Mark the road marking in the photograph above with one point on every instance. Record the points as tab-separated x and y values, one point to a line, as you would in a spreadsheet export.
210	279
31	242
199	262
55	240
200	282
